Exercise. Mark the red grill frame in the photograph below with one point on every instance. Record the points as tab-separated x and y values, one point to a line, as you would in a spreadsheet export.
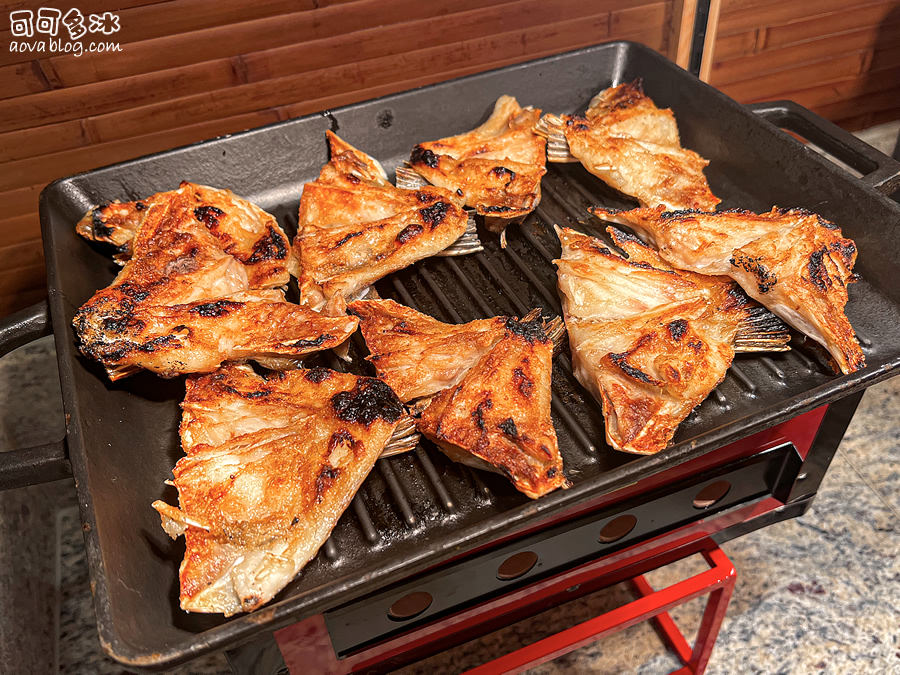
306	646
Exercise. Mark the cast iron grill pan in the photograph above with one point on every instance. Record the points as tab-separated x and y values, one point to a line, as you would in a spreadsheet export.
417	510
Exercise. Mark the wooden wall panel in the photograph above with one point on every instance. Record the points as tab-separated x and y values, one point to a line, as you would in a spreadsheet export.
194	69
838	57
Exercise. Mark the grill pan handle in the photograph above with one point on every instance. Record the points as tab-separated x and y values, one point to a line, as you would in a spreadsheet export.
879	171
41	463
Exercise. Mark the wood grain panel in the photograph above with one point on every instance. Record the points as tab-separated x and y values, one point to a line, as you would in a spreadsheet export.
20	201
849	88
840	59
43	139
19	229
27	254
12	303
173	51
770	60
56	165
362	74
775	12
21	78
194	69
834	23
772	84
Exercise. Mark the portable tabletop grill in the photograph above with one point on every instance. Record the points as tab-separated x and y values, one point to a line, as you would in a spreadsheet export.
753	453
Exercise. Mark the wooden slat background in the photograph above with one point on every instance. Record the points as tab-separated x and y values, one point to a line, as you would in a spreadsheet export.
840	58
194	69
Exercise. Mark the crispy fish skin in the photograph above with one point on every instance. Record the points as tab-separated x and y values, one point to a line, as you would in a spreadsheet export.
498	416
497	167
355	228
257	502
184	302
634	147
419	356
244	230
793	261
649	343
758	329
197	337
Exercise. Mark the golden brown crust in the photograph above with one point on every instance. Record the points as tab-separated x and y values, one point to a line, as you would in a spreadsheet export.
496	168
649	342
632	145
498	416
259	498
242	229
192	295
355	228
417	355
793	261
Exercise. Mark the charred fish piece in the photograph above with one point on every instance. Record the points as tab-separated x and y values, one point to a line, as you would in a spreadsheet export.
649	342
419	356
793	261
355	228
633	146
188	298
496	168
243	230
235	401
257	499
497	417
758	329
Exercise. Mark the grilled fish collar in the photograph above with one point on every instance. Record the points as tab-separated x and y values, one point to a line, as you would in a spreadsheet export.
197	290
498	416
633	146
355	228
793	261
256	502
648	342
496	168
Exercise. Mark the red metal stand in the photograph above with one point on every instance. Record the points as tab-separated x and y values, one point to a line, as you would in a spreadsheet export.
718	581
306	645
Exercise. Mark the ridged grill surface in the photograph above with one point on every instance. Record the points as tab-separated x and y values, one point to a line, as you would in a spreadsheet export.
420	509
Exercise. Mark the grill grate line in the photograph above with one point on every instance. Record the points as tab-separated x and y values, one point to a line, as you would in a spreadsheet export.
772	366
330	549
404	294
579	216
439	294
444	498
479	485
400	499
573	424
720	398
808	362
738	372
365	520
501	282
589	197
534	241
552	301
475	295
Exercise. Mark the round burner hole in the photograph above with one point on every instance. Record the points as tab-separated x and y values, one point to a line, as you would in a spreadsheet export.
516	565
711	494
617	528
410	605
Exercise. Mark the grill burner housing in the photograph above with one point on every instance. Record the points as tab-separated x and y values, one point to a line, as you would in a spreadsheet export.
420	511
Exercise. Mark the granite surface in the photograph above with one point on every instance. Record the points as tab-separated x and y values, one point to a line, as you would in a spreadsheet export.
820	593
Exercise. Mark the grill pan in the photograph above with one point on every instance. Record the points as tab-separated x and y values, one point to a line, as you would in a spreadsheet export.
419	510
